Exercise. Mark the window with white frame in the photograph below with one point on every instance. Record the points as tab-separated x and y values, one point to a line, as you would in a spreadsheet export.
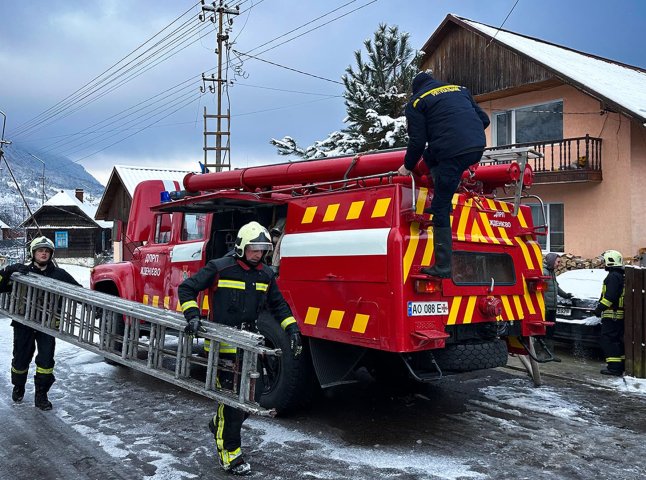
554	241
535	123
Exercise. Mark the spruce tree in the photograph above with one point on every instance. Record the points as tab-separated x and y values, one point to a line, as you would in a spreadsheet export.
376	91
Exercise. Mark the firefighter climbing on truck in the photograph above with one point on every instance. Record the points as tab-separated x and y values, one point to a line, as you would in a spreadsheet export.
445	126
240	285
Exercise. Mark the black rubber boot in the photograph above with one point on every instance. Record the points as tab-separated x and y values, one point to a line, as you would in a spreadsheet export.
443	244
41	401
18	393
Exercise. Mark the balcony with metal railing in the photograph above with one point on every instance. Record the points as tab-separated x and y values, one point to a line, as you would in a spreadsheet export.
570	160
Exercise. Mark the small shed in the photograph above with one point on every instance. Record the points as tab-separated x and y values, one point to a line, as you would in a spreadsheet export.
70	224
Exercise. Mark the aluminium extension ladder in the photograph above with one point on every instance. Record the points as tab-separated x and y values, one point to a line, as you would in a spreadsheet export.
90	320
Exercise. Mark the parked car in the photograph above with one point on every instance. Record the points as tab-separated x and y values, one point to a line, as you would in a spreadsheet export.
575	320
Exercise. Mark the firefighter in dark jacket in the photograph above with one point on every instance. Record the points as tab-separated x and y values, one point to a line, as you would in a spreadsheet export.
240	286
445	126
611	310
25	339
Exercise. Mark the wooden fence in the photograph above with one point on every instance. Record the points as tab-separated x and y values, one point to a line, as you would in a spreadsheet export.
635	321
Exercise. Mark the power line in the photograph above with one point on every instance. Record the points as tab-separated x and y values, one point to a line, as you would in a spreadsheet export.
302	25
287	68
503	23
135	133
264	87
102	130
123	81
23	125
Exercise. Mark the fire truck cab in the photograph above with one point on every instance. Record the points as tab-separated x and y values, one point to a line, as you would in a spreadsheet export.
348	263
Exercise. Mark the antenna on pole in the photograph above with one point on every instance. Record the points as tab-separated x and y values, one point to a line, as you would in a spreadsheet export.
220	10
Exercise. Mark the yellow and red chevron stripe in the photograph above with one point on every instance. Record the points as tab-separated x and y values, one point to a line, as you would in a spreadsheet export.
470	224
336	319
346	211
515	307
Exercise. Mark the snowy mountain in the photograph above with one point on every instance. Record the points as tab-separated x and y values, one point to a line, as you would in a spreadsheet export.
60	174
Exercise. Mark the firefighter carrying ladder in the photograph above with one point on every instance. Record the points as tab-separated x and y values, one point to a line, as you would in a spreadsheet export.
90	320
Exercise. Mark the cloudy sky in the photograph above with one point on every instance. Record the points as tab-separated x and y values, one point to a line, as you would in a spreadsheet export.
69	85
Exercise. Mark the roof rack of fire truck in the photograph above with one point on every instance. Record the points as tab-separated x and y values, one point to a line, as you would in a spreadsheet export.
152	341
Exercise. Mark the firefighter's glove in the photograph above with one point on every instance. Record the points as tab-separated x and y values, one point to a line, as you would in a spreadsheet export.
295	343
194	326
16	267
598	310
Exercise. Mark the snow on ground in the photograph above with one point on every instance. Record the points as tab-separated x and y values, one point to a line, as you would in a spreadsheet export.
80	273
89	398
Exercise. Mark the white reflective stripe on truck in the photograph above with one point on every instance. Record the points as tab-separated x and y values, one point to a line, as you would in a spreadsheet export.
338	243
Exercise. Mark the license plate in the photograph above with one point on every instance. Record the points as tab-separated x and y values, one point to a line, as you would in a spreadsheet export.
417	309
564	311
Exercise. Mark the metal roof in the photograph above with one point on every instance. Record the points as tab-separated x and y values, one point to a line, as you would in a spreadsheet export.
131	176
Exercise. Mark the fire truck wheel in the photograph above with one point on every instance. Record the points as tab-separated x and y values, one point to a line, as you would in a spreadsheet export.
472	356
287	383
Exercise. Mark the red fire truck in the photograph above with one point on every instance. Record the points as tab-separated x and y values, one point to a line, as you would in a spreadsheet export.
354	240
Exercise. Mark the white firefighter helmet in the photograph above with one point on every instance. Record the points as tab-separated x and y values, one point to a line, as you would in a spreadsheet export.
612	258
41	242
252	235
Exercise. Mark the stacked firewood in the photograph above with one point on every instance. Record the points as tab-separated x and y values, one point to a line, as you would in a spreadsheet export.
573	262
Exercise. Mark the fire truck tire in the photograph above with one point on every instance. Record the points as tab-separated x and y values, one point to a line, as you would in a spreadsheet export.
472	356
288	383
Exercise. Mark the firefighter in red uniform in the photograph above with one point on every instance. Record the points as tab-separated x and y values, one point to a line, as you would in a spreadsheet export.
241	285
611	310
25	338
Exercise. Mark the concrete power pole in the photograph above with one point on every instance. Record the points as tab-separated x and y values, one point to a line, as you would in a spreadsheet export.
220	10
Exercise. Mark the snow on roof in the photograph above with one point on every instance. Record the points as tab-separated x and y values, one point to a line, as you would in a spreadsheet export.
622	84
67	198
3	225
131	176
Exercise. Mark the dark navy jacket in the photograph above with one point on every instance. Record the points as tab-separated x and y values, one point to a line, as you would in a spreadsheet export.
238	292
444	116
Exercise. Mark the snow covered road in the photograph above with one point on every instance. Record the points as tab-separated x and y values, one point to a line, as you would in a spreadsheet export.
114	423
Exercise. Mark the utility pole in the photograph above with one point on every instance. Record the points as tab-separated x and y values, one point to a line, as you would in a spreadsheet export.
220	9
43	198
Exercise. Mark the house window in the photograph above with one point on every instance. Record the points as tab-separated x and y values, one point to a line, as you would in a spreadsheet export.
193	226
536	123
163	225
60	239
554	241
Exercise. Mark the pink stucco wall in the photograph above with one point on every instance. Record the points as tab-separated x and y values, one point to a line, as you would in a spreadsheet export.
598	216
638	184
